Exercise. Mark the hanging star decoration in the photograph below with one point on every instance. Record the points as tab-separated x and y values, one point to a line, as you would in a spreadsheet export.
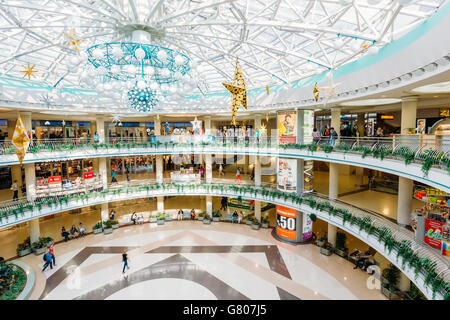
267	89
20	140
238	91
262	129
196	125
116	120
316	92
330	91
267	117
72	40
28	71
46	99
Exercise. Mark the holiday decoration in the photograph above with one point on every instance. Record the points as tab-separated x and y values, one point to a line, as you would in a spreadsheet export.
316	92
267	89
116	120
20	140
72	40
238	91
330	91
262	129
196	125
28	71
267	117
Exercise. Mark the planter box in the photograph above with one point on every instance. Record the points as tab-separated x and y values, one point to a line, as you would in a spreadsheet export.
160	222
216	219
388	293
115	226
265	225
201	218
39	251
320	243
325	251
249	222
97	231
107	231
168	218
24	252
206	221
256	226
153	220
342	253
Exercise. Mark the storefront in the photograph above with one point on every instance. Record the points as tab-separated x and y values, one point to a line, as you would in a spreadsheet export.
137	164
67	169
45	129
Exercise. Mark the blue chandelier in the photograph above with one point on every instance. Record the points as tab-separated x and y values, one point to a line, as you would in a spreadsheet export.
143	71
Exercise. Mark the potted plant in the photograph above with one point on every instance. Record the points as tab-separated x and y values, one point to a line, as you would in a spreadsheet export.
389	280
115	224
107	229
201	216
49	241
206	219
216	216
39	247
24	248
326	249
153	218
98	228
341	249
256	225
265	223
168	217
321	241
249	220
160	219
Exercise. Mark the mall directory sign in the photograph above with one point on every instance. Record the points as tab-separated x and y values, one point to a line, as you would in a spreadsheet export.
287	223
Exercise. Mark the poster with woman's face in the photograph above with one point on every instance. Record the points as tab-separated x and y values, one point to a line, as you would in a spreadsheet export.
287	126
420	126
287	175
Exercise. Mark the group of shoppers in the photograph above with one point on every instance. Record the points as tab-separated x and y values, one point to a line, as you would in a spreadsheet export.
237	217
74	232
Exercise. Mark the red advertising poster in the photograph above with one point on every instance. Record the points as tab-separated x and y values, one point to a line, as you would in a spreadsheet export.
286	222
55	179
433	233
88	175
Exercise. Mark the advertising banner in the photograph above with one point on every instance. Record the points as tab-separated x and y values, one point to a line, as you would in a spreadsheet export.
287	126
308	125
88	175
287	175
286	222
433	233
307	227
55	179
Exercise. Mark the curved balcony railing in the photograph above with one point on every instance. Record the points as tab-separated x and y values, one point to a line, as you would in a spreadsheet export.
422	264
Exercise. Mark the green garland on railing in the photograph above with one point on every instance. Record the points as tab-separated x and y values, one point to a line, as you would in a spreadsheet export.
384	234
427	157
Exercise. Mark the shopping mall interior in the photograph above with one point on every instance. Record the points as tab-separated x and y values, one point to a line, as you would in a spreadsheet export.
224	150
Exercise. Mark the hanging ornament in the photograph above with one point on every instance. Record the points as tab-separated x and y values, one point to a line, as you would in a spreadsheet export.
28	71
116	120
196	125
267	117
72	40
316	92
267	89
238	91
262	129
330	91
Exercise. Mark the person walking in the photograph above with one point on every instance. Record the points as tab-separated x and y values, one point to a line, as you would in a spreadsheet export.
48	261
180	215
15	190
333	136
114	174
125	261
316	136
238	175
221	170
52	253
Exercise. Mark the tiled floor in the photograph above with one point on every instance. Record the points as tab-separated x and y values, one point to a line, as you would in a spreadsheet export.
189	260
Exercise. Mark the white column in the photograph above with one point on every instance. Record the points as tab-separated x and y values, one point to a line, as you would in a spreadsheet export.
102	171
257	123
209	205
332	232
409	112
208	125
333	193
208	157
336	120
100	124
160	204
404	283
258	210
257	171
359	181
405	191
104	212
333	181
16	175
34	230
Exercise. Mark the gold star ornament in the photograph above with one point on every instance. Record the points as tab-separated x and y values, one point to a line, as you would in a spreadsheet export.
28	71
238	92
316	92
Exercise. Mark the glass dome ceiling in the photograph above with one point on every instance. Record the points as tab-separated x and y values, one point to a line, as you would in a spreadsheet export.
277	41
